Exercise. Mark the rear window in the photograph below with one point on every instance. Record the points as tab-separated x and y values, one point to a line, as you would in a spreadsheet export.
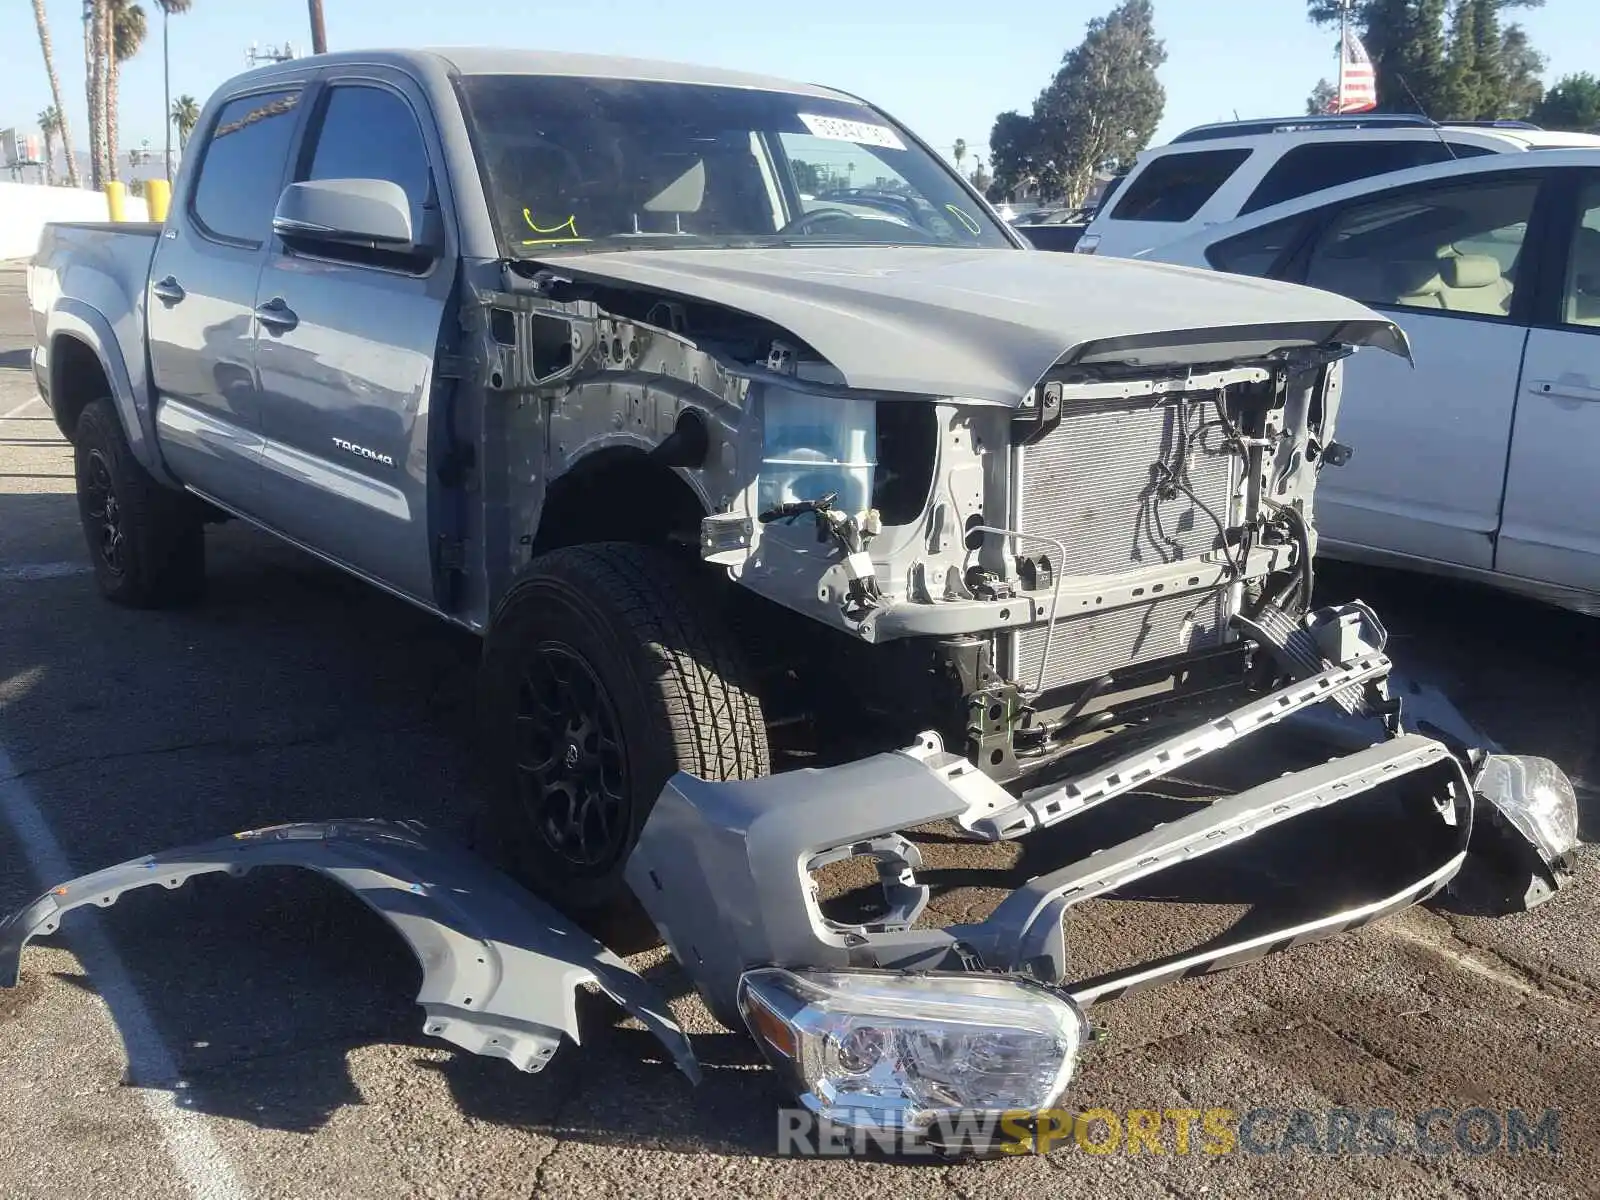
241	173
1258	251
1176	186
1311	168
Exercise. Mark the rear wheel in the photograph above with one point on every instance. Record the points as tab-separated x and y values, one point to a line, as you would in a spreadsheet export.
605	672
146	541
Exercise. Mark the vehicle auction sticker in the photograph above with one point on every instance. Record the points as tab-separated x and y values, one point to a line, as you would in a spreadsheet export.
840	130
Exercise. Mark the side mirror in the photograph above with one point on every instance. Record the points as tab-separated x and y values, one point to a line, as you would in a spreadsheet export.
369	213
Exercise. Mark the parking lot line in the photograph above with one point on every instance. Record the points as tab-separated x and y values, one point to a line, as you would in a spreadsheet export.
151	1066
19	409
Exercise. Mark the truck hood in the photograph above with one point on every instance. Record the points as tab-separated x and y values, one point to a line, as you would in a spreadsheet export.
986	325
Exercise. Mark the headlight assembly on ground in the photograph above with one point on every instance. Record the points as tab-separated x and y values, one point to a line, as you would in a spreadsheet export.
904	1051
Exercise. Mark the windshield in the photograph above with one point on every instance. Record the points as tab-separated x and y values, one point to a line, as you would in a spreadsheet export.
607	164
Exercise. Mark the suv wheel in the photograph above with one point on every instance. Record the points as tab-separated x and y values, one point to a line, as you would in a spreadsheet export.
605	672
146	541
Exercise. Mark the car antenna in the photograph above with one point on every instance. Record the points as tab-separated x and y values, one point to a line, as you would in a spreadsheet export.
1432	124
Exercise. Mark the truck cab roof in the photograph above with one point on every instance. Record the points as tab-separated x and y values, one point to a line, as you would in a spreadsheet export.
491	60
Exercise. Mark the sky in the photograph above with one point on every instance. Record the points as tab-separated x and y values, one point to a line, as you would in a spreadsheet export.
943	67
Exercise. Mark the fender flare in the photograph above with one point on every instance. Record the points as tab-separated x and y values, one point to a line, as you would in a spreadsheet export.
500	968
75	319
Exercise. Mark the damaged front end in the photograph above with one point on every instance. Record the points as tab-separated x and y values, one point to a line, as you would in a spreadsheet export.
895	1021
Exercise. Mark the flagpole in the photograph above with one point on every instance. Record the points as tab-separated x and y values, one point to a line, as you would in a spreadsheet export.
1344	27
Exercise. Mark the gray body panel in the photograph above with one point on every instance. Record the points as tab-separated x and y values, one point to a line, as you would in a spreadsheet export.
91	289
985	325
500	968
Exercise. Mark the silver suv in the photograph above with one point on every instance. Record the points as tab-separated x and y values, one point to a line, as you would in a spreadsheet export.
1214	173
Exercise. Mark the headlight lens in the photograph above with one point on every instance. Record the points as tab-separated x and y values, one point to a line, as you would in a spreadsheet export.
903	1051
1537	797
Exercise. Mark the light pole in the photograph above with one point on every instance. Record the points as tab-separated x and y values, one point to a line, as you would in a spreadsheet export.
166	77
319	35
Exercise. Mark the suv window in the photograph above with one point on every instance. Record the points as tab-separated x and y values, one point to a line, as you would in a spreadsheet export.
1311	168
1580	303
1176	186
1448	248
241	172
1255	252
370	133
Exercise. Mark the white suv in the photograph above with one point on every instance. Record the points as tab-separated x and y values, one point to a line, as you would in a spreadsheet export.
1214	173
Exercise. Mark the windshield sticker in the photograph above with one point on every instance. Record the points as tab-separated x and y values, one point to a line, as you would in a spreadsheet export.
556	235
840	130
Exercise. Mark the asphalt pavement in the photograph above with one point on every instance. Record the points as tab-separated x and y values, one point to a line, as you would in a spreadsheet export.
258	1038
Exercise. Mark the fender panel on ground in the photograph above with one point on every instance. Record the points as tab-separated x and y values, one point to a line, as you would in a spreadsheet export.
500	968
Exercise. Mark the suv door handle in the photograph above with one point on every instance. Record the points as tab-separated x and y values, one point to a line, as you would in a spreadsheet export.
276	315
167	291
1568	387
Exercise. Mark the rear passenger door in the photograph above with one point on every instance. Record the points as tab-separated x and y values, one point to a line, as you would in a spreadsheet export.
347	343
1551	526
1444	260
202	289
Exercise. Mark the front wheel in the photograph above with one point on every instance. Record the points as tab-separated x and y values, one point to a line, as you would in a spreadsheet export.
605	672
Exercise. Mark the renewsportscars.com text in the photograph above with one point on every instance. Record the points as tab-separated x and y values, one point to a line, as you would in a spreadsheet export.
1331	1131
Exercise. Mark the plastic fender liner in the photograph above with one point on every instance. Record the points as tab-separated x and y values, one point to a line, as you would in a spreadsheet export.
500	968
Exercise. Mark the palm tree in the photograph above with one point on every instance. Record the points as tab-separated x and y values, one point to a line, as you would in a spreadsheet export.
128	30
959	151
168	8
55	89
96	37
47	126
185	115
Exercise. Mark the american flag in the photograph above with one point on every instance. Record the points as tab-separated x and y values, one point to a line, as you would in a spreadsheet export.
1358	86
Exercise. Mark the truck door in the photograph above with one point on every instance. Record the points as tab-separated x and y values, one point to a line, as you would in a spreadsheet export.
1445	260
346	347
1551	526
202	289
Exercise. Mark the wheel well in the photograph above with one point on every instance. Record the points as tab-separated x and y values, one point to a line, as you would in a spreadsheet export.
76	379
619	495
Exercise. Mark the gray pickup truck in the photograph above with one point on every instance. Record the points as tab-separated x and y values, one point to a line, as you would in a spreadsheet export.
745	433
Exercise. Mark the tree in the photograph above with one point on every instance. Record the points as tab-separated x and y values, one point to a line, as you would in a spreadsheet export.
49	124
980	178
56	106
959	151
1524	68
1322	99
1104	103
1484	72
1012	145
1572	104
186	115
1492	98
128	30
97	42
1463	93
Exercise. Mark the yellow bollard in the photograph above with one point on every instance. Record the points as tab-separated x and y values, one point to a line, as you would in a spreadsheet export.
116	194
157	196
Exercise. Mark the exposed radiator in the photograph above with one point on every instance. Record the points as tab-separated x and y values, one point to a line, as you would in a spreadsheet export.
1092	484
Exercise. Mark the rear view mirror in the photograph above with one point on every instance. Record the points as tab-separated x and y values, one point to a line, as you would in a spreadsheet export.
370	213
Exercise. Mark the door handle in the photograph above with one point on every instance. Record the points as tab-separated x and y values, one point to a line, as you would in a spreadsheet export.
168	291
276	315
1567	388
